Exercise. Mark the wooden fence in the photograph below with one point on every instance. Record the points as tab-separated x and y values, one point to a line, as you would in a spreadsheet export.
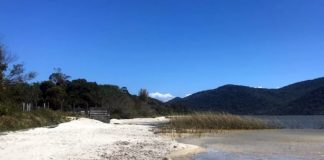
30	106
100	114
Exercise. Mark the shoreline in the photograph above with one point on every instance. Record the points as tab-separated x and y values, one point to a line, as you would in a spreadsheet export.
84	139
179	151
187	152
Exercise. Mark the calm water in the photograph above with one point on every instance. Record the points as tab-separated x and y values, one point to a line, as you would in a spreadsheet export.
301	140
296	122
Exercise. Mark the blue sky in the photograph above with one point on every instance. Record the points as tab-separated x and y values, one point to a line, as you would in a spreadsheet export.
168	46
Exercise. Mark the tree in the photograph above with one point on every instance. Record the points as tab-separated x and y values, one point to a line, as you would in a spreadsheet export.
56	97
84	93
5	59
3	63
143	95
13	78
124	90
58	77
57	94
17	75
3	68
44	87
35	93
18	93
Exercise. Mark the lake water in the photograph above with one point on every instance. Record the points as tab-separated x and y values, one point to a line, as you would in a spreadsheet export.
296	122
301	140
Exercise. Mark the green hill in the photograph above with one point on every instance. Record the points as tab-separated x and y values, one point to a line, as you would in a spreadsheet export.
299	98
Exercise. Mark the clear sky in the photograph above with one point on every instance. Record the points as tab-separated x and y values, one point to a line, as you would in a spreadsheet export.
168	46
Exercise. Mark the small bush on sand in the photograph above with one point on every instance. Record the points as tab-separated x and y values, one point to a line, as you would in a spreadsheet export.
208	122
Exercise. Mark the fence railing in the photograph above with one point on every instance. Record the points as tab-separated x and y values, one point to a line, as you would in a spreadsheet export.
100	114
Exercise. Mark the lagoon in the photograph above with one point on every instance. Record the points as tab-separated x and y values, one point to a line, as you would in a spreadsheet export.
301	139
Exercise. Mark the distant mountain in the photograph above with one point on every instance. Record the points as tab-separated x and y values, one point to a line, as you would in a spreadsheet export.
305	97
310	103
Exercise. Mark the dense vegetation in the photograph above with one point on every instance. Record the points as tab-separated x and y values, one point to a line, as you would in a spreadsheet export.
304	98
14	90
60	93
16	120
311	103
210	122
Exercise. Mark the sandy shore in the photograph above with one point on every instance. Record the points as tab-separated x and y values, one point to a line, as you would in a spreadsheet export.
86	139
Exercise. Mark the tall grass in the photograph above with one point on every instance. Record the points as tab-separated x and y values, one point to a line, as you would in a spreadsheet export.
209	122
13	119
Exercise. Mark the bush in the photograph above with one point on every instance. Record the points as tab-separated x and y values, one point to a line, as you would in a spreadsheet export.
8	109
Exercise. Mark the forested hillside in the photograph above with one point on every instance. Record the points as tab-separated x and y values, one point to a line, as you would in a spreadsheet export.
300	98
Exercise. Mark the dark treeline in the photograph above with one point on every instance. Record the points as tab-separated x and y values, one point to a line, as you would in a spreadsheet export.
59	92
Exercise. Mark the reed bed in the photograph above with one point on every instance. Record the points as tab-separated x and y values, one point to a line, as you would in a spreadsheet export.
211	122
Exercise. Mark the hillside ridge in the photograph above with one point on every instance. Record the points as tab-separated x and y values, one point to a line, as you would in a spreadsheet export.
298	98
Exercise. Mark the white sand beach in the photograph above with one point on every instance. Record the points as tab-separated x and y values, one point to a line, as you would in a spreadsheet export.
87	139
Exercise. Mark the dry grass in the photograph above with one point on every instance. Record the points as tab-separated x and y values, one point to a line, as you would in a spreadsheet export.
25	120
210	122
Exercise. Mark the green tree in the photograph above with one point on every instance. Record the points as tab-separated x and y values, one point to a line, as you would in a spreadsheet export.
56	97
17	75
84	93
3	68
45	86
13	78
143	95
58	77
3	64
35	94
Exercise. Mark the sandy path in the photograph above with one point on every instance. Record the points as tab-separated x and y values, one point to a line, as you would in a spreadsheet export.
86	139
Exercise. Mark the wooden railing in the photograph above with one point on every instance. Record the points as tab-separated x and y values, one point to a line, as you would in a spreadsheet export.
100	114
